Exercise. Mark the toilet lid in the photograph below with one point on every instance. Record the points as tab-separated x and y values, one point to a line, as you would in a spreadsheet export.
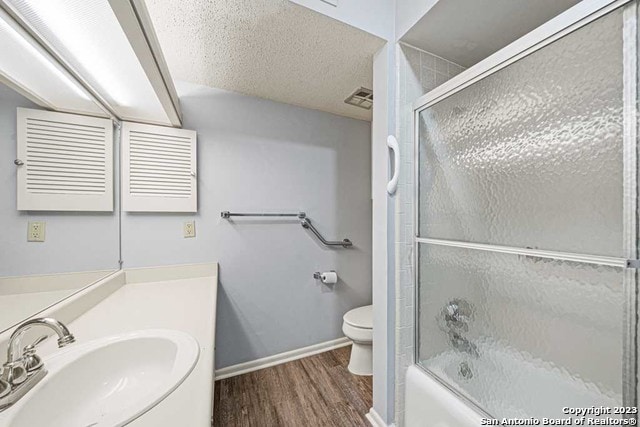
361	317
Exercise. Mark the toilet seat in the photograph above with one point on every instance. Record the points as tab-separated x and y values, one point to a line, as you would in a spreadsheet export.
361	317
360	335
358	324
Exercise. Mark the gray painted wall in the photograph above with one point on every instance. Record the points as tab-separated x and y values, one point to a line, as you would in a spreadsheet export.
75	241
259	155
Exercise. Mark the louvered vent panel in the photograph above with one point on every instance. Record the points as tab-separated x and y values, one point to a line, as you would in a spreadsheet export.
160	165
159	168
67	162
64	158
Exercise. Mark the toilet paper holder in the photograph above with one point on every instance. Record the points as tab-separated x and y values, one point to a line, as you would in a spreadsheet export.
318	276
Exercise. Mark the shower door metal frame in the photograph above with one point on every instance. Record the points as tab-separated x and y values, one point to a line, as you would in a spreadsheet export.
571	20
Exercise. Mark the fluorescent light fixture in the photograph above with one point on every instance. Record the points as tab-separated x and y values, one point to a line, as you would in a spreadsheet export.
109	46
28	68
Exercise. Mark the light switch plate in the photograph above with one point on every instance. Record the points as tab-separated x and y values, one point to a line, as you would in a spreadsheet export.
190	229
36	231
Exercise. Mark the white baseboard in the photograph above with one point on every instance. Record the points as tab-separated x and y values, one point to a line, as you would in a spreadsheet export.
375	419
277	359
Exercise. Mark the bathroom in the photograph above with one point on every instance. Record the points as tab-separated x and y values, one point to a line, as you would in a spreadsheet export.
318	212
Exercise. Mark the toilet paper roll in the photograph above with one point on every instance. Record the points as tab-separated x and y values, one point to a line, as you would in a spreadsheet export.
329	277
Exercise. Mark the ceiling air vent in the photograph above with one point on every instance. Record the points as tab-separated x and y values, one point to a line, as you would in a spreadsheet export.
361	97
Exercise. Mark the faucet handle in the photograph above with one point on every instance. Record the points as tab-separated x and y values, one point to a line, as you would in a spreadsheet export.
457	315
5	388
34	344
31	360
14	373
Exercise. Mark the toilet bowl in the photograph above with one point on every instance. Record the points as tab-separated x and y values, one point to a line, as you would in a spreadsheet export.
357	325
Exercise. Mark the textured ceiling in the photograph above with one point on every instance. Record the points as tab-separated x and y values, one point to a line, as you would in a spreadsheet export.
271	49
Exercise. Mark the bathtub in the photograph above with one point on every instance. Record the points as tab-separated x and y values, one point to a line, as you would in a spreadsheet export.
429	404
503	380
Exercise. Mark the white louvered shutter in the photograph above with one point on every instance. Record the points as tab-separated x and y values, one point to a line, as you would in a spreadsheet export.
159	169
67	162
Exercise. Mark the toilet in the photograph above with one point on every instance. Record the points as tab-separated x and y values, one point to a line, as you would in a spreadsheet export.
357	325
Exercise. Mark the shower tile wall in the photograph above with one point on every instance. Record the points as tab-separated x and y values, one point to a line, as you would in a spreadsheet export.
417	73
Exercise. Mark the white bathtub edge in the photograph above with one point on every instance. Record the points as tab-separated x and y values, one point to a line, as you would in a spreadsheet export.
429	403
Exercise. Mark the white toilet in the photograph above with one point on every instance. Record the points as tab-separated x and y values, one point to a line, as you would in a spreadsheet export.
358	327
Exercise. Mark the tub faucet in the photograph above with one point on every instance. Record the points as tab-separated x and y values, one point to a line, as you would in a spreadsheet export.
457	315
24	368
463	344
455	318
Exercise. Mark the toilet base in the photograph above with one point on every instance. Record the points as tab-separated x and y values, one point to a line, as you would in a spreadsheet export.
361	361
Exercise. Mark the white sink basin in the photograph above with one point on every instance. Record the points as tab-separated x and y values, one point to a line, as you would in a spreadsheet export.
106	382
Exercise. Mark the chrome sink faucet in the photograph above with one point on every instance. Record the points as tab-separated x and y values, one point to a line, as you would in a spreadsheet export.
24	368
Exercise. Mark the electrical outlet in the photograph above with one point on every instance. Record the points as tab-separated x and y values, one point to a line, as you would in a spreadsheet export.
35	231
190	229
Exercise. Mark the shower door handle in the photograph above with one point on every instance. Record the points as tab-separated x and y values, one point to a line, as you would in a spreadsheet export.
392	143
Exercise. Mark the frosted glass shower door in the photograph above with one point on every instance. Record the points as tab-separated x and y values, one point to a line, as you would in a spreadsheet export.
523	202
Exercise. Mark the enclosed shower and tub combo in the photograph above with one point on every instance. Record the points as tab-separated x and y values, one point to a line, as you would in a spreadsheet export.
526	229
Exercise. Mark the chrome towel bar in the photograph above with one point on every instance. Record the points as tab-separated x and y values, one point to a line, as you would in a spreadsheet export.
304	222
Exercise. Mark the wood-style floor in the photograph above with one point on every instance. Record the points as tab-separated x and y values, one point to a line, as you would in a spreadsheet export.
314	391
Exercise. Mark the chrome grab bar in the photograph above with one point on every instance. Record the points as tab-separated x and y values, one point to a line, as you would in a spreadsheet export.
304	222
227	214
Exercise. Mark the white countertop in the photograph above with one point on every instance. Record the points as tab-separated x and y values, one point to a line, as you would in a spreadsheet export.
186	304
17	307
24	296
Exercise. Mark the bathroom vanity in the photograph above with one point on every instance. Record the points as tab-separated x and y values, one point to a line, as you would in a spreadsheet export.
125	306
